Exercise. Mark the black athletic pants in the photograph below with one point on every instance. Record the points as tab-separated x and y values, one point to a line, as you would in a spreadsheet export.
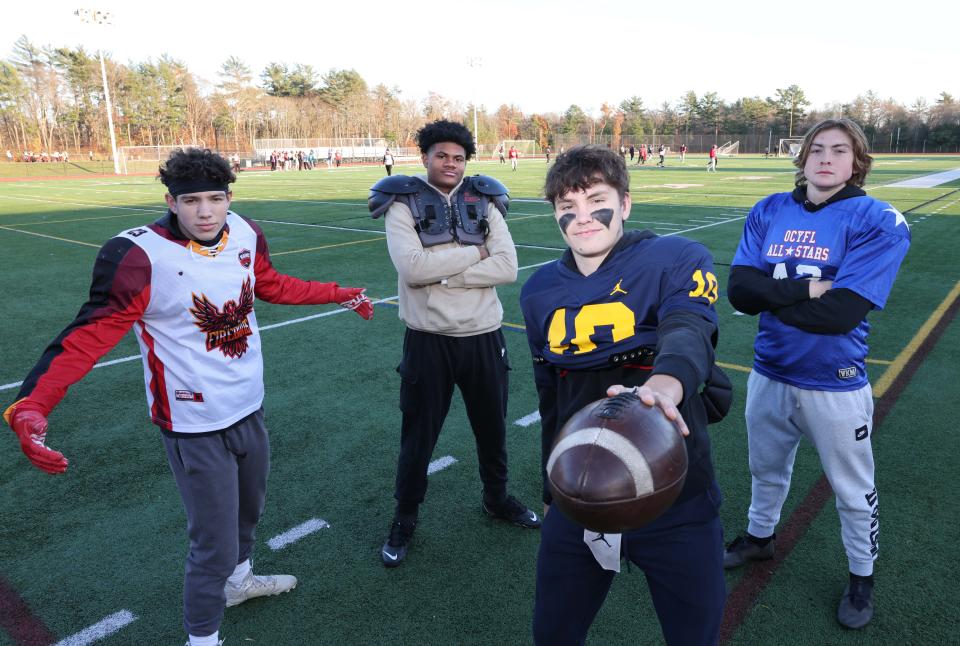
432	364
680	554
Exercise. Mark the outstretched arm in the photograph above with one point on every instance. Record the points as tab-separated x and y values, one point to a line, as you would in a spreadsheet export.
119	294
275	287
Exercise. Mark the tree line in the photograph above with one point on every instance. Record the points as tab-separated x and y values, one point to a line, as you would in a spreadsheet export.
52	98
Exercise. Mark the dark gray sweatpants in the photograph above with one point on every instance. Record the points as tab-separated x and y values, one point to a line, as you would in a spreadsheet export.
839	424
222	479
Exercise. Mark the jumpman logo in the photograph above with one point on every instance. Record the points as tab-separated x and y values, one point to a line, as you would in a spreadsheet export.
601	537
617	289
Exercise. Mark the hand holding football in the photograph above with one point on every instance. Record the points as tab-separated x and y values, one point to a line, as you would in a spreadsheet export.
617	464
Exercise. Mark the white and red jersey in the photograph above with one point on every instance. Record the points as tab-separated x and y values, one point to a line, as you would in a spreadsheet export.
192	310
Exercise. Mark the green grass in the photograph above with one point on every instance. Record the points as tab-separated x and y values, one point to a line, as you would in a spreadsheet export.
110	534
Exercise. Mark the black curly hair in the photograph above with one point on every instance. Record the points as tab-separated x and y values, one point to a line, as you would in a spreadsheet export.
192	164
583	166
442	131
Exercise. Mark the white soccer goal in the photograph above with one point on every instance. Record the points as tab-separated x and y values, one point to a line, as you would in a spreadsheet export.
143	158
789	147
526	147
729	149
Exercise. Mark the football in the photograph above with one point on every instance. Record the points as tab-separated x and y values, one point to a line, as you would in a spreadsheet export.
617	464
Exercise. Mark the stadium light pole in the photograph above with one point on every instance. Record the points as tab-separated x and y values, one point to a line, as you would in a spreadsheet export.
474	62
93	17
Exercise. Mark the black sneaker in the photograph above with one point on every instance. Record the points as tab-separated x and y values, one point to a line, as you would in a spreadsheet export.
512	511
395	549
743	549
856	604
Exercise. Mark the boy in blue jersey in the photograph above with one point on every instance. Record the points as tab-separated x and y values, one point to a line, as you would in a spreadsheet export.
624	310
813	263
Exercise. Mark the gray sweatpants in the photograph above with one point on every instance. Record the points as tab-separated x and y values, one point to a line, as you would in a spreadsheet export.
222	479
839	424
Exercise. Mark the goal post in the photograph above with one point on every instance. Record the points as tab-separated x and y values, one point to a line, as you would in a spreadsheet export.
134	159
729	149
789	147
526	147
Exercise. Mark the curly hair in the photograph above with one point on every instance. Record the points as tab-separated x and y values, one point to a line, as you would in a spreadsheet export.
191	164
583	166
862	161
442	131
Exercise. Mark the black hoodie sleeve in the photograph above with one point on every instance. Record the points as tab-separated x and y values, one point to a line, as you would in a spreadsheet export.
838	311
751	291
545	377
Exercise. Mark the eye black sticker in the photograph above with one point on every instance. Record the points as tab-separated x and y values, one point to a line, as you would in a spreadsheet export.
603	216
565	220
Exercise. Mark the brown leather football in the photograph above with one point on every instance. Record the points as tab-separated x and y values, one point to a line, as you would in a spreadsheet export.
617	464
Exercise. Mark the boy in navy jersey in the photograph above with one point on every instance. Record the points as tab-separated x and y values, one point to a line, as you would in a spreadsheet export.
813	263
619	311
186	285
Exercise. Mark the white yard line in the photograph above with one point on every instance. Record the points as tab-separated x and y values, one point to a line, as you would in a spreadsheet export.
103	628
324	226
440	464
302	319
665	235
294	534
35	198
927	181
528	420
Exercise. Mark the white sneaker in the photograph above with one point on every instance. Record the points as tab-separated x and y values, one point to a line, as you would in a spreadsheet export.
219	643
258	586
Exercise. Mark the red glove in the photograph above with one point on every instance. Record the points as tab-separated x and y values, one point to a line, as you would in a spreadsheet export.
31	429
354	299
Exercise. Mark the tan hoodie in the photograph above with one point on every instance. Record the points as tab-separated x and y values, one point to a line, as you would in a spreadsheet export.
446	289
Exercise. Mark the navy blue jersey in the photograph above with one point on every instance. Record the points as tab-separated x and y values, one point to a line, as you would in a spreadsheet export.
578	322
650	296
859	244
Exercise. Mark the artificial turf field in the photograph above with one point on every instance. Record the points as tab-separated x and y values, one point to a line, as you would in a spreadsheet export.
107	539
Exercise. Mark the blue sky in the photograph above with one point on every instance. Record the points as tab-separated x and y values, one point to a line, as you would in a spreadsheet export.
542	55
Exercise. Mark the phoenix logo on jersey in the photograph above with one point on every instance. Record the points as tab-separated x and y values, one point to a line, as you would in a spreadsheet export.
227	329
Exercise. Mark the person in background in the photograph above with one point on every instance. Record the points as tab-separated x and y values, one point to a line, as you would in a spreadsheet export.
388	162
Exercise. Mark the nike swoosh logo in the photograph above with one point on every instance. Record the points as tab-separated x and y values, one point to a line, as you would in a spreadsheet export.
392	557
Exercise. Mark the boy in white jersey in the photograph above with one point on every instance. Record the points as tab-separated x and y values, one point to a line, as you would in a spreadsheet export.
186	285
813	263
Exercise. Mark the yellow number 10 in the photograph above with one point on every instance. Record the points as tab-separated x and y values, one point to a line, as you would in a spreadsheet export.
616	316
705	287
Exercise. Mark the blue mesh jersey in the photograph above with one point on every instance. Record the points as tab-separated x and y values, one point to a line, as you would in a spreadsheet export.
578	322
858	243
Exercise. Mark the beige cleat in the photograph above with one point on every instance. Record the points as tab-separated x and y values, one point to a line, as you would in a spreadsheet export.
258	586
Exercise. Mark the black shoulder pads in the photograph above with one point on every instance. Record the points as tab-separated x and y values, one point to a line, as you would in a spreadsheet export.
385	191
492	188
488	185
397	185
